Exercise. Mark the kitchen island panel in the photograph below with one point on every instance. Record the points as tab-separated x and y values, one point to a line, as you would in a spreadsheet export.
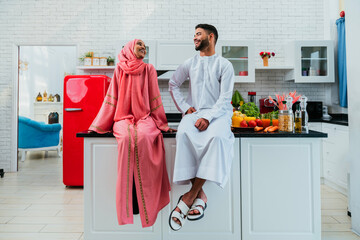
222	217
100	172
280	190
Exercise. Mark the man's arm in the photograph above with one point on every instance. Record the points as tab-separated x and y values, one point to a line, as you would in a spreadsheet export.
223	104
176	80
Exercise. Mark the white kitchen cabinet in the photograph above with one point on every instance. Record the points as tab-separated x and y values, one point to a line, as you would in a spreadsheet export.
221	220
150	56
171	54
313	61
280	188
317	126
335	156
241	55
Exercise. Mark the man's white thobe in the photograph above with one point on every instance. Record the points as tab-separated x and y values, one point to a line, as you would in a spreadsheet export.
204	154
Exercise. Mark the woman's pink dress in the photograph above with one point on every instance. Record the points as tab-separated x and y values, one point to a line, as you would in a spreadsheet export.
133	110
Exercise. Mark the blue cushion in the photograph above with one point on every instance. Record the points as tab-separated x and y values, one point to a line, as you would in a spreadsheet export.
33	134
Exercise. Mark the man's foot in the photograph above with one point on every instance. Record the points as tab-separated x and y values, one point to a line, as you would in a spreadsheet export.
203	197
188	200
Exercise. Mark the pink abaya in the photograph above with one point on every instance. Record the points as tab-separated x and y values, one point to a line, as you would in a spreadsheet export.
133	110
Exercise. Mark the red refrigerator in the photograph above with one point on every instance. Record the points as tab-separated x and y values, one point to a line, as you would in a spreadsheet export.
83	96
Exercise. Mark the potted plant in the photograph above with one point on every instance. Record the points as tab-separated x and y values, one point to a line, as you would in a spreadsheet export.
110	61
87	58
265	57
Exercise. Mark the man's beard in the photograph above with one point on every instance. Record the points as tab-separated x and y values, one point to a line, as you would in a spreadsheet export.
203	44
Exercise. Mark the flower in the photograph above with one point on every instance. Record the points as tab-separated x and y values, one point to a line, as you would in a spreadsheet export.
280	99
267	54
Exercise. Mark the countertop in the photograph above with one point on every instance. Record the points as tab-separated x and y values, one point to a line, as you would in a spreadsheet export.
176	117
338	119
243	134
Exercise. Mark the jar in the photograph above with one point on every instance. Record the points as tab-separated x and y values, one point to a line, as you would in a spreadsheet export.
252	97
103	61
286	121
96	61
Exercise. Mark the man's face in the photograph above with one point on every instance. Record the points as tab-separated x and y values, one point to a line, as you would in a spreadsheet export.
201	39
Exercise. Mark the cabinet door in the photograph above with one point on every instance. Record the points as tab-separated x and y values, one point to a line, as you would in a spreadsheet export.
336	155
150	56
240	54
314	61
171	54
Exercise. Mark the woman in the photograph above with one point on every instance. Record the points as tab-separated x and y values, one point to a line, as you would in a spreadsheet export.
133	110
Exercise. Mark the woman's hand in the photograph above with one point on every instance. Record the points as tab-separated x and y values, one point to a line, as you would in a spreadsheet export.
171	130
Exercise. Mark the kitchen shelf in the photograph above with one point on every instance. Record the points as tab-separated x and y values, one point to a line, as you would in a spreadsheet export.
96	67
237	59
318	59
275	68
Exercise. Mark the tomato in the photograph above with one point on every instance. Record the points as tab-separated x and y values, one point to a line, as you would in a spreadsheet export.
258	122
252	123
243	124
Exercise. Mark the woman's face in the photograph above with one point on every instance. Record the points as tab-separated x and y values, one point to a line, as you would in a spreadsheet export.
140	49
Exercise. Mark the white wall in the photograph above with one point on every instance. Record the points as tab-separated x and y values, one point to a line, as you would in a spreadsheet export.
352	23
45	71
96	25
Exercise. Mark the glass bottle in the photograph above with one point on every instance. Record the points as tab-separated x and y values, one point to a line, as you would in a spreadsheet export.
39	97
45	96
298	126
304	114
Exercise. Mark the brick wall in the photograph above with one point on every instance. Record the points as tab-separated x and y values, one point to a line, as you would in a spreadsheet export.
96	25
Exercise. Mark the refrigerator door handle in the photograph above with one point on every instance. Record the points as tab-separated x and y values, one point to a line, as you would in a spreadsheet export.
73	109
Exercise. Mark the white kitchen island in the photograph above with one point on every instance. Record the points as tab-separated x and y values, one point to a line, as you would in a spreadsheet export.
273	192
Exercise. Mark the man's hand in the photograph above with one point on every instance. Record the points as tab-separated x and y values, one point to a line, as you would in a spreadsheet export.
202	124
190	110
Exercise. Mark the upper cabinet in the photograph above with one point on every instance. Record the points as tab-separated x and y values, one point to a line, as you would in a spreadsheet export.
171	54
150	56
313	61
240	54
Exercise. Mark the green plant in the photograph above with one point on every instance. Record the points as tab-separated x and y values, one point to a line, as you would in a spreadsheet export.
250	109
110	59
236	99
87	54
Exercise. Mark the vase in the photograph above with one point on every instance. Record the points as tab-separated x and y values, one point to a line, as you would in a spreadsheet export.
266	61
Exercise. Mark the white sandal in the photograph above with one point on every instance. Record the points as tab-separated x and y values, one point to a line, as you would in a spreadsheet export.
199	205
181	216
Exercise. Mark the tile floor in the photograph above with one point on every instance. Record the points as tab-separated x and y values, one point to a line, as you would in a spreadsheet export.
34	204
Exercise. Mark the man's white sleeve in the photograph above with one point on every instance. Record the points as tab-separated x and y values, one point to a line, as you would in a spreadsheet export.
177	79
223	104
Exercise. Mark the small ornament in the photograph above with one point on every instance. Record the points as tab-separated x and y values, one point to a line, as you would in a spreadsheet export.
45	96
39	97
51	98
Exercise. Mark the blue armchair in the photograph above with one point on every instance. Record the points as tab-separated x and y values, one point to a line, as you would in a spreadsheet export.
38	136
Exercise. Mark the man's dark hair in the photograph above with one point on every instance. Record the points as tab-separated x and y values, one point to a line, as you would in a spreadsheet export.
209	29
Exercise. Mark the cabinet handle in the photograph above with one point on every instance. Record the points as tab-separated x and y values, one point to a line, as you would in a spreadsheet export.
73	109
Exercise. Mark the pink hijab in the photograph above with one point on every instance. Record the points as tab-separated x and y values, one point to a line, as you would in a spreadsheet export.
129	63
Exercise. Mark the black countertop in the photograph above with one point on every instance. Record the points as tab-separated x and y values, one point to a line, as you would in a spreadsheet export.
243	134
338	119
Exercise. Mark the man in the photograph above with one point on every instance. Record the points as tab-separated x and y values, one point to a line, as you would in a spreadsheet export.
204	141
